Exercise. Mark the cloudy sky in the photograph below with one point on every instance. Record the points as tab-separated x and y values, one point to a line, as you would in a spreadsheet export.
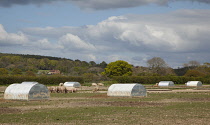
135	31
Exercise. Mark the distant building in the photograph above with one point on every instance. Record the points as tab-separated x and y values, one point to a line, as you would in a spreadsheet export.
51	72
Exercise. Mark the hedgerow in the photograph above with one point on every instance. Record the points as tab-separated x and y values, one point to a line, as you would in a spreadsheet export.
56	79
46	80
156	79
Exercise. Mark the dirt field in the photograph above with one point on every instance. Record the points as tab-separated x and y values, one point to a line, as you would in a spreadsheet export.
88	89
162	106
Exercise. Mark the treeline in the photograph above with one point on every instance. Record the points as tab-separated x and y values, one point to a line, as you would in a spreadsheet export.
56	79
33	56
16	68
19	64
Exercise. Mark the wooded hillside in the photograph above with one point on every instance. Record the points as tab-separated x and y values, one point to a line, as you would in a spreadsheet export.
34	63
18	67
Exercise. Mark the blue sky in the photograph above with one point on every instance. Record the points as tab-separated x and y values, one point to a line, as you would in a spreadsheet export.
130	30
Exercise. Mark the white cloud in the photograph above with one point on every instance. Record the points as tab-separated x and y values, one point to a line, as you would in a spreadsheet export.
134	38
181	31
91	57
70	41
44	44
12	38
153	33
153	37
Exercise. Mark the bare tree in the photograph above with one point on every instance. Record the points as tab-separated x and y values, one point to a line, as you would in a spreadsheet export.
156	62
192	64
157	65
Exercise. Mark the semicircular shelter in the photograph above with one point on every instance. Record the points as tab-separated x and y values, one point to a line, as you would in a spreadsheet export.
26	91
166	83
72	84
194	83
127	90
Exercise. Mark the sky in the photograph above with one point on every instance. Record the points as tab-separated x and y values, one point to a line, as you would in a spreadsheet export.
178	31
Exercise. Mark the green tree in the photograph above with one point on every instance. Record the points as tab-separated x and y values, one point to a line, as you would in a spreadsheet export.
3	71
15	59
79	70
30	73
44	64
95	70
5	61
205	68
118	68
103	64
194	73
88	77
16	71
92	63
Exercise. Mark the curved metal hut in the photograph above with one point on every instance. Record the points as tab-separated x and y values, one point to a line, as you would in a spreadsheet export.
72	84
194	83
166	83
26	91
127	90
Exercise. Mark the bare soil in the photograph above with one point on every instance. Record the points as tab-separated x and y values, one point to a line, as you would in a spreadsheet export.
89	103
6	110
102	100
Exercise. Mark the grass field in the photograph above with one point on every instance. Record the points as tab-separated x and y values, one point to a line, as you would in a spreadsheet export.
171	108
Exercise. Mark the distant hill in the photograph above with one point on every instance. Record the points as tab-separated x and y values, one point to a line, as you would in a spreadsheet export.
33	56
26	62
63	64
